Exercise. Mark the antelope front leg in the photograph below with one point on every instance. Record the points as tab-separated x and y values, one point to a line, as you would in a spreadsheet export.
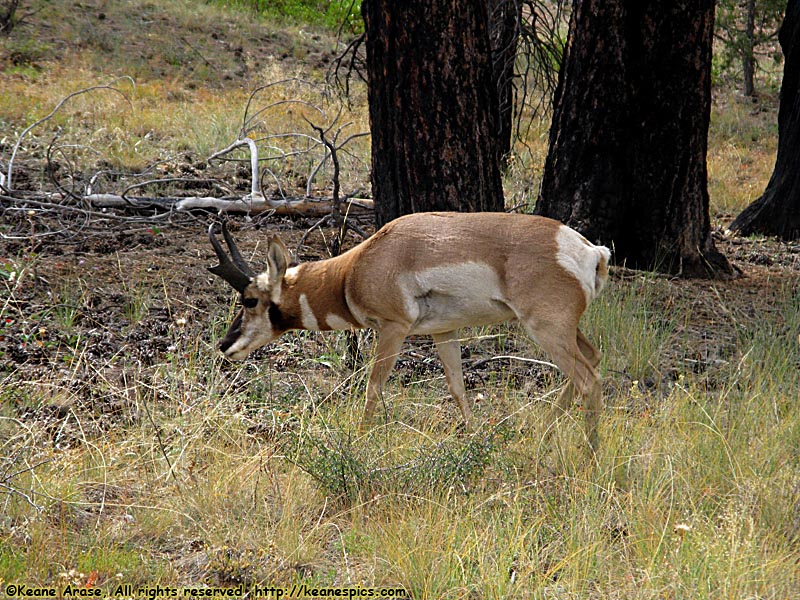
390	340
449	349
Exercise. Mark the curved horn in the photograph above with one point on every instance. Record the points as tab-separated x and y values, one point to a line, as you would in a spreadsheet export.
236	272
235	255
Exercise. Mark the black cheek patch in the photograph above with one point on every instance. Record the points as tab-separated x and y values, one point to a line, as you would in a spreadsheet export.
280	321
234	331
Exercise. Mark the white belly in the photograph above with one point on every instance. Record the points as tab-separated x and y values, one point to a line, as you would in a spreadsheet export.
449	297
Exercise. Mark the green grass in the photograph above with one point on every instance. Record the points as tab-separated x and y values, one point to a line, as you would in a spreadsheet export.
631	330
331	14
742	148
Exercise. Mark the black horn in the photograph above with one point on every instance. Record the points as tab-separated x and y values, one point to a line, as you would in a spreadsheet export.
236	272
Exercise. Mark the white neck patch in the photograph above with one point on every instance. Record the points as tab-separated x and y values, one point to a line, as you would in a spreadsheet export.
307	316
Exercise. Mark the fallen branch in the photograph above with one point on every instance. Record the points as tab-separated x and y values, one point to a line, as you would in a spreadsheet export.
309	207
284	154
533	361
299	206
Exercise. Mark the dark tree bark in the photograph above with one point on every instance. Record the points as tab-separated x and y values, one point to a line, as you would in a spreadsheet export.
8	10
749	58
627	158
504	21
777	211
432	107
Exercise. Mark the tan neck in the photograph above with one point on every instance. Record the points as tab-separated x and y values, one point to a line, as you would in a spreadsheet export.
315	291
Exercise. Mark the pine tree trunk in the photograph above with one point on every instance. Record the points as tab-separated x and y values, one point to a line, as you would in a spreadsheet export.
749	58
627	158
777	211
432	107
504	19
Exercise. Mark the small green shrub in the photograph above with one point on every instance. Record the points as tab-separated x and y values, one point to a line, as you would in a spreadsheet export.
27	52
331	14
350	468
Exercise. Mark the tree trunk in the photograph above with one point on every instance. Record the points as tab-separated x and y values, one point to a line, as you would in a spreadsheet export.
627	158
432	106
504	20
777	211
7	19
749	58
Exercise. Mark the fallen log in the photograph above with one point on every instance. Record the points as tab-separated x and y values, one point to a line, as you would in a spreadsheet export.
305	206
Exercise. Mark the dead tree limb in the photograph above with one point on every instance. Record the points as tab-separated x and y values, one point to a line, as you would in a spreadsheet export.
335	215
255	180
8	183
351	60
287	149
308	207
291	157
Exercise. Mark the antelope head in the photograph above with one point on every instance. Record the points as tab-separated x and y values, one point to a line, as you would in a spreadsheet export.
259	320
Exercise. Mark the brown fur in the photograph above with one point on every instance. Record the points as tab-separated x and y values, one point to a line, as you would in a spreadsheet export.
433	273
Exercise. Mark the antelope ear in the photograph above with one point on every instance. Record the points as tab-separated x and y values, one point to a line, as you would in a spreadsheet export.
277	260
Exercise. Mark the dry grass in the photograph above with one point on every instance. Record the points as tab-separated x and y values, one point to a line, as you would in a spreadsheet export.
156	462
190	470
742	147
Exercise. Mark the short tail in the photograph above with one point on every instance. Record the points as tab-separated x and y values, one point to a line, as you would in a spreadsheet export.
601	271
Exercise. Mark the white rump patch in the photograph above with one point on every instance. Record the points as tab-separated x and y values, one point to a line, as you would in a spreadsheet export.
579	256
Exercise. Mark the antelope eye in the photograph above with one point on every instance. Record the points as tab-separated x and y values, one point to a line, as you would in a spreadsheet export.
250	302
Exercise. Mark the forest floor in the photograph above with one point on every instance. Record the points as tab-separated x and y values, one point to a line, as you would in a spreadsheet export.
125	296
133	452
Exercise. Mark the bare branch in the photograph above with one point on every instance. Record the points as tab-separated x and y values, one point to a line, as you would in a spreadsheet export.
354	60
247	122
8	180
288	158
300	206
255	181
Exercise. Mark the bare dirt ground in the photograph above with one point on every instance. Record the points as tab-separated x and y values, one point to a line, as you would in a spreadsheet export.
100	307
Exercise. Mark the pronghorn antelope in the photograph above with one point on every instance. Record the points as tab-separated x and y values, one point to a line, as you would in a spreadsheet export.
433	273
